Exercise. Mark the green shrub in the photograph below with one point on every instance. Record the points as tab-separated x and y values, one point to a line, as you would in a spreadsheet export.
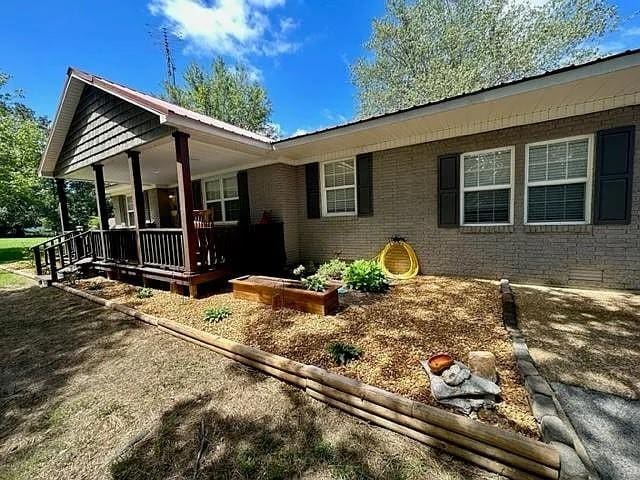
365	275
144	292
342	353
316	283
216	314
333	269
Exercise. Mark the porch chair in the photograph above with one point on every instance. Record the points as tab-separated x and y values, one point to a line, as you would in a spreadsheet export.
203	221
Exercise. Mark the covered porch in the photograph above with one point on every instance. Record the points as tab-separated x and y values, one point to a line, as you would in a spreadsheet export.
121	140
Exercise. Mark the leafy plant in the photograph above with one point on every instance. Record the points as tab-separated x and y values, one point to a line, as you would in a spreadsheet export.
316	282
94	286
365	275
342	353
299	271
216	314
333	269
144	292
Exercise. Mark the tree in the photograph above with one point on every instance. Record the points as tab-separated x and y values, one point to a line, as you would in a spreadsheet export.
24	197
425	50
227	93
26	200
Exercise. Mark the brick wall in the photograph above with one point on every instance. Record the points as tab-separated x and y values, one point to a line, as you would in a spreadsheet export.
405	204
272	188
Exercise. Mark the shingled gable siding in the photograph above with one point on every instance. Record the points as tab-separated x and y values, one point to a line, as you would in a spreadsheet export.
405	195
102	126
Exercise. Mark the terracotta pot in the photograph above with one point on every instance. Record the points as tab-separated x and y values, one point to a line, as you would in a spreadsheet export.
439	362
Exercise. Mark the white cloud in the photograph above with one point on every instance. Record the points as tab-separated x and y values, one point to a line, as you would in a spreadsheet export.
631	32
299	131
227	27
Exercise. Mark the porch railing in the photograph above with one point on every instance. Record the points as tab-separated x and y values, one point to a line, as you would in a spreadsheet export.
249	248
162	247
115	245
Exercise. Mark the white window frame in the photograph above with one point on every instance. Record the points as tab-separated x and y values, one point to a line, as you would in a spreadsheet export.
502	186
222	200
128	222
586	180
323	189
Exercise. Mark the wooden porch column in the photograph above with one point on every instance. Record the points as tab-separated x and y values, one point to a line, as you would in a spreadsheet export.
63	209
101	196
138	198
186	201
101	203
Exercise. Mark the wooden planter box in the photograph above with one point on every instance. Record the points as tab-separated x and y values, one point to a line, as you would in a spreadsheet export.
282	292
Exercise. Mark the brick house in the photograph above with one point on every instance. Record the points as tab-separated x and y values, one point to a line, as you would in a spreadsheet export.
531	180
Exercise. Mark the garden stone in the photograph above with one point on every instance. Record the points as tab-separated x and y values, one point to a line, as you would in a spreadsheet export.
542	405
474	386
571	467
527	368
483	364
537	384
469	405
456	374
554	430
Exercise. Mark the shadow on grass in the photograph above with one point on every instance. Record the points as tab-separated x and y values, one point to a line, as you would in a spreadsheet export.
47	338
194	441
585	338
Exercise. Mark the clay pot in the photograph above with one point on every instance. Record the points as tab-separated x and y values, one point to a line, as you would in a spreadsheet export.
439	362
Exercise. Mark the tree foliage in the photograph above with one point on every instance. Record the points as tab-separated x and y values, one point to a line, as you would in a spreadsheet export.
26	200
227	93
425	50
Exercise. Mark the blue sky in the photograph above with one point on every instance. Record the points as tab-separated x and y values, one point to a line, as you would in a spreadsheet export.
300	49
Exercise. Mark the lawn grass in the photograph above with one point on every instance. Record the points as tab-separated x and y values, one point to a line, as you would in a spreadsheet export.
88	393
16	249
9	280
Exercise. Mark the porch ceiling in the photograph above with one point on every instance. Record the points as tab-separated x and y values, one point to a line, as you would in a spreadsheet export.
158	163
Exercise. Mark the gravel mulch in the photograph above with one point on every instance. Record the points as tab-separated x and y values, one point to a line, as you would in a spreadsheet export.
413	320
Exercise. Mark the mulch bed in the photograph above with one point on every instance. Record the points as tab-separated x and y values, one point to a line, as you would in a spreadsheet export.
397	329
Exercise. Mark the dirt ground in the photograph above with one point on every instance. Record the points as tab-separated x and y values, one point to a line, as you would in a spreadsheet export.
396	330
588	338
88	393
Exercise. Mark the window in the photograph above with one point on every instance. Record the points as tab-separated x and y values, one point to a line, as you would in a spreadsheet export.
130	215
338	186
558	181
487	187
221	197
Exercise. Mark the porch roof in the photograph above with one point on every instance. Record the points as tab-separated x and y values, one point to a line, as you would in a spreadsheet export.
602	84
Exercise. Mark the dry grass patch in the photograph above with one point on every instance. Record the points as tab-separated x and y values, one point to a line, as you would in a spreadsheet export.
395	330
588	338
86	392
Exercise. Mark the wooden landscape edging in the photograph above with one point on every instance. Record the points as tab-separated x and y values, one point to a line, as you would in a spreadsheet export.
501	451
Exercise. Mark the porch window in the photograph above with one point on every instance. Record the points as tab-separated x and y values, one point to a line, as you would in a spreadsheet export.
338	186
558	181
130	215
487	187
221	197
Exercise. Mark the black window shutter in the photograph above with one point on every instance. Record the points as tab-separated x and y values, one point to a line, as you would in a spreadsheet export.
449	191
196	189
244	216
614	175
312	179
364	176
